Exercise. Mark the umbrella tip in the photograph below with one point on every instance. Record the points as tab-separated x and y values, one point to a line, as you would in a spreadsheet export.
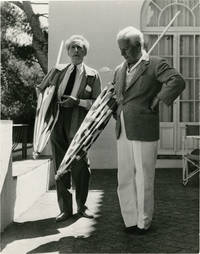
35	155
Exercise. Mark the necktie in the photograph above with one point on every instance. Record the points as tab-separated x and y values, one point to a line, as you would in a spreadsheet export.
70	82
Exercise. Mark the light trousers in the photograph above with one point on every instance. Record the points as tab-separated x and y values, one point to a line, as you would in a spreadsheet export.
136	172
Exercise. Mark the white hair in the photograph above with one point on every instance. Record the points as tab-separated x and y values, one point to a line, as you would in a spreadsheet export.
130	33
73	38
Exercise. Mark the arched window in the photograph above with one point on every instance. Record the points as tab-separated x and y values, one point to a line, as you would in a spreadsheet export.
158	13
181	48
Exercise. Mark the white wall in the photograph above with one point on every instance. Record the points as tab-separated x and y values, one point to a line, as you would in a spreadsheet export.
99	22
21	182
7	183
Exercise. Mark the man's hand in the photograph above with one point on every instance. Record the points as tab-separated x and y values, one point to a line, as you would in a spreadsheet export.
154	103
68	101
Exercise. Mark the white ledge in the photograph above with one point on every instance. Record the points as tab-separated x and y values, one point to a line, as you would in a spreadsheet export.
24	166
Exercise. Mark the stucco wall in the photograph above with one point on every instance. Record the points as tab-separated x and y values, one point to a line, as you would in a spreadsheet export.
7	183
99	22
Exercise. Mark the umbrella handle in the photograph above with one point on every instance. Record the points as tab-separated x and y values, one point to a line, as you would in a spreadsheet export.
163	32
159	38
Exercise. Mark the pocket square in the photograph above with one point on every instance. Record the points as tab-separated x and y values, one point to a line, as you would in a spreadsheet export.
88	88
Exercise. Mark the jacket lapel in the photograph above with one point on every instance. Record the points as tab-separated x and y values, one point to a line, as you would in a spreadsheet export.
86	72
62	73
141	68
121	81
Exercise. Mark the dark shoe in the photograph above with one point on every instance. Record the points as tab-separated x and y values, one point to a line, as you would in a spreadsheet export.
86	213
136	230
142	231
62	217
131	230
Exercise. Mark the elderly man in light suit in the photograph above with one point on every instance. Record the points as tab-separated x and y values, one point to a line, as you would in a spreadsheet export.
139	91
77	86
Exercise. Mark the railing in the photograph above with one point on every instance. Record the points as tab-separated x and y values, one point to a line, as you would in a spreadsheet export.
20	136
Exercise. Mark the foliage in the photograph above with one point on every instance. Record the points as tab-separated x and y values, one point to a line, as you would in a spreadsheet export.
20	68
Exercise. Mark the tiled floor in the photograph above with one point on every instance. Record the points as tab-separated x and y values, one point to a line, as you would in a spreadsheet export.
174	229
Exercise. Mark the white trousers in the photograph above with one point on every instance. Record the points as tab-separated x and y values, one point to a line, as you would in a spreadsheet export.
136	171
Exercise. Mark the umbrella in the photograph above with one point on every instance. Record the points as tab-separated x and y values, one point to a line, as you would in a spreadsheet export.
93	124
46	113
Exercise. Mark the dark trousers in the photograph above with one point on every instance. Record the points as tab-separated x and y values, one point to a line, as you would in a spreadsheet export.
80	175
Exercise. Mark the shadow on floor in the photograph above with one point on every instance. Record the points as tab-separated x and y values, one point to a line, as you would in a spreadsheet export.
33	229
174	228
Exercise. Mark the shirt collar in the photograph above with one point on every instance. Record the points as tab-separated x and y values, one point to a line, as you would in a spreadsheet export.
145	55
79	67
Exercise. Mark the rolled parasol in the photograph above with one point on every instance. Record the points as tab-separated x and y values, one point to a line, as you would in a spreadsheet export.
93	124
46	112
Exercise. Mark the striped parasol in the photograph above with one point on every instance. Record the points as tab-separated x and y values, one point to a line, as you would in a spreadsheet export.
46	112
93	124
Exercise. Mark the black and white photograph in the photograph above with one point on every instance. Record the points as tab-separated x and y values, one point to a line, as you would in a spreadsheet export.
100	126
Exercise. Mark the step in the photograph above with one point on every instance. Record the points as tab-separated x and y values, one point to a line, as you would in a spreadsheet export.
169	163
32	180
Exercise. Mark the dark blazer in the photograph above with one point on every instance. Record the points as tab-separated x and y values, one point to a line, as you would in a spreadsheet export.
152	78
90	78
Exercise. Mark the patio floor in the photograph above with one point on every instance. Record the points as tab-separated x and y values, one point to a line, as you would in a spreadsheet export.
175	225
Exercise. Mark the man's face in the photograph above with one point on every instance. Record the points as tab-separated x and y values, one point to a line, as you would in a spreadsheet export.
130	51
76	52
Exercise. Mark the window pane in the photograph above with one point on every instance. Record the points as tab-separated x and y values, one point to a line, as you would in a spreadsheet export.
187	67
186	45
166	113
151	18
189	3
197	67
186	112
188	93
197	111
185	18
197	89
197	15
166	46
189	16
162	3
150	39
197	45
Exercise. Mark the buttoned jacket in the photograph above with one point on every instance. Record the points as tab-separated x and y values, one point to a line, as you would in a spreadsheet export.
152	78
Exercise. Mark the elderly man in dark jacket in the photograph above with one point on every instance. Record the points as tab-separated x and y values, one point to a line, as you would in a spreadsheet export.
139	91
76	87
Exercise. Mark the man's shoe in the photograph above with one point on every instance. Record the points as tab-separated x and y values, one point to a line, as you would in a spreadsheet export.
131	230
86	213
62	217
136	230
142	231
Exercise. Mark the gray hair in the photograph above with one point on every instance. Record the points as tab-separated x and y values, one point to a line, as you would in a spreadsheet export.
73	38
130	33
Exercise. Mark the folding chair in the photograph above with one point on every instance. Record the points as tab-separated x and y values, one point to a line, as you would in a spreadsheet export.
191	160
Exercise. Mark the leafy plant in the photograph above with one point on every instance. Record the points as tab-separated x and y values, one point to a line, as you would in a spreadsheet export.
21	65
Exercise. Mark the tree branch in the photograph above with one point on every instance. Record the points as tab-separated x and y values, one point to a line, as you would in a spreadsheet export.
43	14
18	4
40	42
